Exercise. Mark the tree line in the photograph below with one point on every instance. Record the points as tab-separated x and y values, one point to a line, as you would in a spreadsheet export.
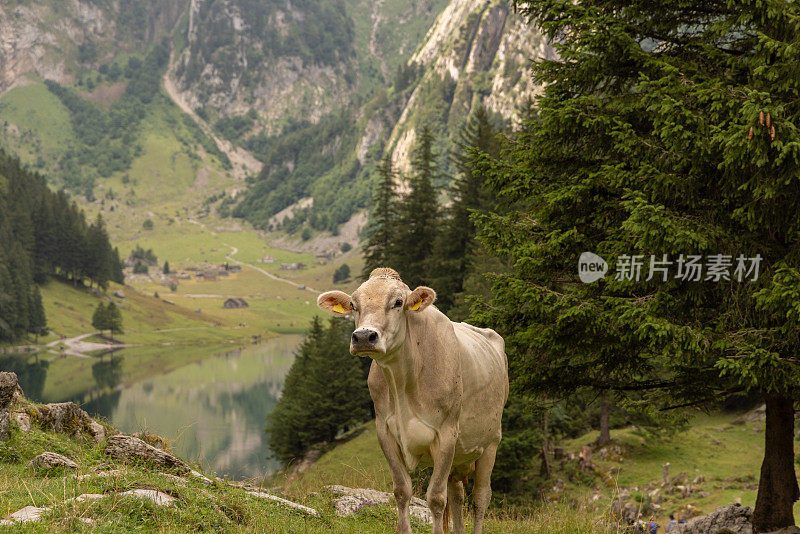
43	234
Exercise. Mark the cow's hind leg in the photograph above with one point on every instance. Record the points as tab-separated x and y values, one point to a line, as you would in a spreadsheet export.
482	490
455	496
400	477
442	452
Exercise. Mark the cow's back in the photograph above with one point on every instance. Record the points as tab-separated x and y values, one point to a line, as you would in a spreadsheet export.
484	374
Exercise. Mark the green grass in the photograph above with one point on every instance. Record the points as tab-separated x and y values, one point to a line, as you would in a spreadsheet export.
217	507
727	456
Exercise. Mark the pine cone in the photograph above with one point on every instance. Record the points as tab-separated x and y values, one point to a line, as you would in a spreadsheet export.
750	134
769	120
772	133
761	118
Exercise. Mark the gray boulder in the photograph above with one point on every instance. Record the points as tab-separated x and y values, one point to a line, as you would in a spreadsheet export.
128	448
731	519
8	389
48	460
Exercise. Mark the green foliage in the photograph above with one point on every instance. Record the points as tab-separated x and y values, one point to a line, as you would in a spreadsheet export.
146	256
105	142
234	127
305	235
341	274
140	267
382	223
325	392
100	317
345	247
41	234
649	141
148	224
165	269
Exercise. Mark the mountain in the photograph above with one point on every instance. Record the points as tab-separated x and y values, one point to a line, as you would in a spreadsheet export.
144	102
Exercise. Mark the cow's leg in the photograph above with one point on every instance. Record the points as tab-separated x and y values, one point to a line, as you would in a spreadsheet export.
456	494
400	477
482	489
442	452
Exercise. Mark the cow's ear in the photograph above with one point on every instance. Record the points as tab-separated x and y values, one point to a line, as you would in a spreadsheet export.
420	298
336	302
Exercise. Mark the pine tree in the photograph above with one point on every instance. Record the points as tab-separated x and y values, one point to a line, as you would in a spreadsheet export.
381	228
418	214
455	243
663	129
166	267
100	318
37	323
114	319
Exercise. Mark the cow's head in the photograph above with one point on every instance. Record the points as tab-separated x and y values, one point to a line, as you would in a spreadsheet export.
379	306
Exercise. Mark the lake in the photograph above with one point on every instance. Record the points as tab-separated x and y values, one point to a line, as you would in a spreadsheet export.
212	409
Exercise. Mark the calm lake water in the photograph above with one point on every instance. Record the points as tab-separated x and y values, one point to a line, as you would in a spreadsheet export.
212	410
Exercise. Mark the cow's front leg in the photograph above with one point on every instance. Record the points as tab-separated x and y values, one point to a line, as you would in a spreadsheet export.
442	452
482	489
400	476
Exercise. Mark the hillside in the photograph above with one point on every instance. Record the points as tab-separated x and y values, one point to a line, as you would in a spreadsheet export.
61	471
713	462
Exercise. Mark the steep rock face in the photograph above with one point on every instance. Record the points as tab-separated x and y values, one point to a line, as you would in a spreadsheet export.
53	39
479	50
263	56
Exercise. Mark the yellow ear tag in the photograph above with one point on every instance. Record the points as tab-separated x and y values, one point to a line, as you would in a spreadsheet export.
415	307
338	308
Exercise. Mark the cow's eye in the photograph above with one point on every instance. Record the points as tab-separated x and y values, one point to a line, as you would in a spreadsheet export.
352	306
398	303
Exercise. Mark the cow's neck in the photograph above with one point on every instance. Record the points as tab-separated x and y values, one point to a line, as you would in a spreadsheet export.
401	371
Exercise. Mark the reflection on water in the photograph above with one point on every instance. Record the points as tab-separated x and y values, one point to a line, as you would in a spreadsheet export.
212	410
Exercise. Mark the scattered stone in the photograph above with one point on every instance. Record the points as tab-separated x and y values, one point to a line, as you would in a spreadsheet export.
788	530
350	500
284	502
119	294
97	431
153	439
86	497
8	389
731	519
759	414
23	421
157	497
28	514
48	460
204	479
129	448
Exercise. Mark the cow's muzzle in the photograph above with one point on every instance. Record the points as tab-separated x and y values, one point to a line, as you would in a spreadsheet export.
364	341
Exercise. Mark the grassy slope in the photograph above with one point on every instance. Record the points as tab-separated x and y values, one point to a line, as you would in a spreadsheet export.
218	507
728	456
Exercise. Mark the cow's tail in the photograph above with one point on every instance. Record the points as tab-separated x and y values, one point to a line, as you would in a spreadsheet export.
446	517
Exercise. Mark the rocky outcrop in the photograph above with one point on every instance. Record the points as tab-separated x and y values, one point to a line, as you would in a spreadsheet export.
731	519
129	448
8	388
49	460
68	418
348	501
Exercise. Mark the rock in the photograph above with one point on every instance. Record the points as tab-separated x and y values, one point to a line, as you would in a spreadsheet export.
23	420
64	417
731	519
97	431
8	388
788	530
204	479
124	447
759	414
86	497
284	502
49	460
28	514
101	474
157	497
351	500
119	294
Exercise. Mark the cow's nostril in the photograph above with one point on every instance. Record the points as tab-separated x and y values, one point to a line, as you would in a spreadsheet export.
373	337
355	338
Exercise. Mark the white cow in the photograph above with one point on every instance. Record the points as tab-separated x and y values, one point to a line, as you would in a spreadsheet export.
439	389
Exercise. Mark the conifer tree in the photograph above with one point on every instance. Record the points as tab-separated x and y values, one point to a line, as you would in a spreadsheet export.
114	318
101	318
37	323
455	243
663	129
381	229
418	215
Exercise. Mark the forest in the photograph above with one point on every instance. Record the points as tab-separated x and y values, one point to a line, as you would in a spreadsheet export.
652	139
44	234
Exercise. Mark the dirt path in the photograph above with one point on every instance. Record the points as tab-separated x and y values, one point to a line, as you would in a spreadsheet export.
75	346
243	161
234	250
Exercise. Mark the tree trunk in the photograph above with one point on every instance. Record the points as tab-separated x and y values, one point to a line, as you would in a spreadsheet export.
605	431
545	469
777	487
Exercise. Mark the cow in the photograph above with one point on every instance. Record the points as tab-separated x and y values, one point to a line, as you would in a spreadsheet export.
439	389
